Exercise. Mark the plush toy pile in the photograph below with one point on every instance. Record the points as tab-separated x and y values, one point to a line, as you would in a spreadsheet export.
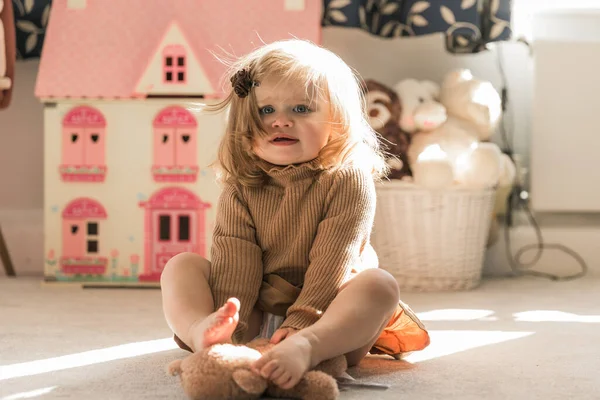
440	134
223	371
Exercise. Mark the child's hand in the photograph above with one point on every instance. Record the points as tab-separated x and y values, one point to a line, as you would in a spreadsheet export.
281	334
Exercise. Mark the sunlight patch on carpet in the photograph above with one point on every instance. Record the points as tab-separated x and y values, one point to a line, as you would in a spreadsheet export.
455	314
444	343
555	316
29	395
86	358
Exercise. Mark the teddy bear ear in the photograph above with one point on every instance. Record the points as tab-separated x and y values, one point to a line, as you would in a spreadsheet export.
406	85
174	368
249	381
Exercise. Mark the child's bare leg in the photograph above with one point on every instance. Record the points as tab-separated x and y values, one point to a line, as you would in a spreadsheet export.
363	307
188	303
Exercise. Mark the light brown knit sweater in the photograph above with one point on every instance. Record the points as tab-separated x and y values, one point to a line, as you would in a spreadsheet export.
307	225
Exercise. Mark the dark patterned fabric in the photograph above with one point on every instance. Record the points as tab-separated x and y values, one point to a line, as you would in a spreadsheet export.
31	19
467	24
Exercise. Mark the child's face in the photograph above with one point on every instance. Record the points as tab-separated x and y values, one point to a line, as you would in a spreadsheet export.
298	127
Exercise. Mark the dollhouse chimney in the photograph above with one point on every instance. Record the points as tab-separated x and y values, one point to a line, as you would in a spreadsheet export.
294	5
76	4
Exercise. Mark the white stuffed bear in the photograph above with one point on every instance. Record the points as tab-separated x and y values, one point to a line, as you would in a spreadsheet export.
474	110
420	109
473	101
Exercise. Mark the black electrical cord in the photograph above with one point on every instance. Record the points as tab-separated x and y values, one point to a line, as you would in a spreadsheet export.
518	199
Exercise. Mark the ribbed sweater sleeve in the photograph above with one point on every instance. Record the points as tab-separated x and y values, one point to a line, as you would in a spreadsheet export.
236	259
341	235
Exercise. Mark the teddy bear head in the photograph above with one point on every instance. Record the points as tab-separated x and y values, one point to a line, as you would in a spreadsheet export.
384	112
472	100
221	371
420	109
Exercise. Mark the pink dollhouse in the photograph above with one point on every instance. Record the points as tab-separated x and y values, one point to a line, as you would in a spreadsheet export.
127	146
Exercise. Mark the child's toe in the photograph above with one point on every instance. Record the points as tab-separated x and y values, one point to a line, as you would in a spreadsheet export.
277	374
261	362
283	380
268	369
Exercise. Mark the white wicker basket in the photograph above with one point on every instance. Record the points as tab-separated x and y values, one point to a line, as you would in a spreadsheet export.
432	240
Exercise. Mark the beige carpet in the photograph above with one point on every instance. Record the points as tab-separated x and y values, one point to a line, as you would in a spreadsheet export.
508	339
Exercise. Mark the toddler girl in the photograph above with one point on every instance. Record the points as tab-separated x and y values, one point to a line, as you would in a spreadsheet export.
291	258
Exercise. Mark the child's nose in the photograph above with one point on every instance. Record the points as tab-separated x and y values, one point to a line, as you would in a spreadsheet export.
282	121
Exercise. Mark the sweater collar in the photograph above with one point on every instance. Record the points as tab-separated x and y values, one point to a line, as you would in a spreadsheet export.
286	174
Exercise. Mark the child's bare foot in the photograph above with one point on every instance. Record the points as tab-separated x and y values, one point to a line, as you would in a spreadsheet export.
217	327
287	362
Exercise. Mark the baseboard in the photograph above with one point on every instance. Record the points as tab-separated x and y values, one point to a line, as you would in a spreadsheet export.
24	234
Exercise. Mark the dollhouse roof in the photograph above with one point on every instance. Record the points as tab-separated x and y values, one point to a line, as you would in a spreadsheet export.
103	48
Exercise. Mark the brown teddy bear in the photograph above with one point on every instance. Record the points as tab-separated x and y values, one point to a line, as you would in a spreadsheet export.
385	110
223	371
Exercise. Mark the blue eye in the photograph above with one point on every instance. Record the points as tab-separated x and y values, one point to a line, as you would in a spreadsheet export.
302	109
266	110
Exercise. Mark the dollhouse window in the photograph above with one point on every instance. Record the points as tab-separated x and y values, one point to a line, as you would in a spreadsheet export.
92	246
184	228
175	149
92	228
92	237
174	64
164	229
81	240
83	145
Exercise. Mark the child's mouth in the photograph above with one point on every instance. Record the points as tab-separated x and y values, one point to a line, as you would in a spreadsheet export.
284	141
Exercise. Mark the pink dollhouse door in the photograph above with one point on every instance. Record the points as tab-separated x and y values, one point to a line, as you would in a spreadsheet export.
175	232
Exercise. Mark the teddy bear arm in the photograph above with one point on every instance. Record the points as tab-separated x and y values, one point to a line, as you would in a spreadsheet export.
174	368
249	382
334	366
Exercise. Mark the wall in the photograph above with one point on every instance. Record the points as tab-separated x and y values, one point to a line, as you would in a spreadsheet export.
21	171
21	144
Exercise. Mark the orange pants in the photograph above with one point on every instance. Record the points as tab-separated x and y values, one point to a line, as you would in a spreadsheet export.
404	333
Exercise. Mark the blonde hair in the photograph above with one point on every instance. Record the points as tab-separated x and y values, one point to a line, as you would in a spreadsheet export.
353	141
